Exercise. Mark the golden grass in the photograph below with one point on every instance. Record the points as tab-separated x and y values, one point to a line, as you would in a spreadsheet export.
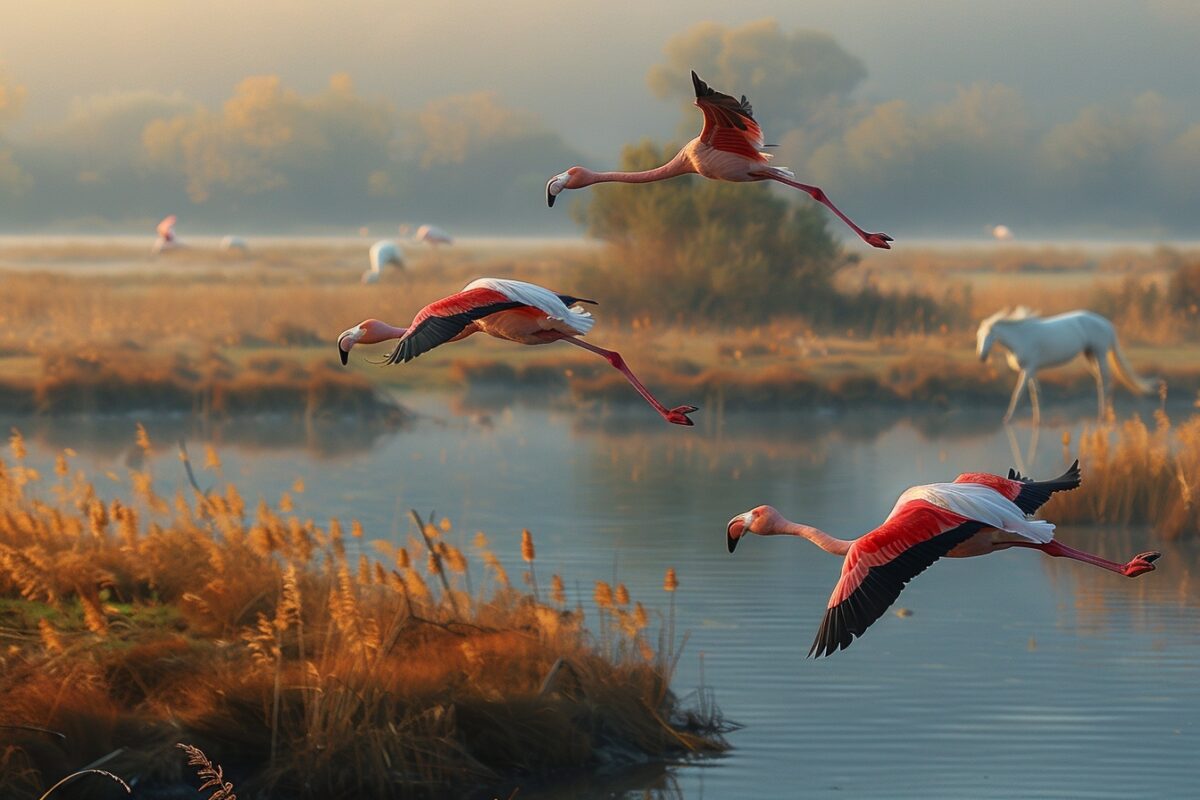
271	317
305	666
1137	474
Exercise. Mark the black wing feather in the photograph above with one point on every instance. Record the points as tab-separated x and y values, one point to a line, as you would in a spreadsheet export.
727	102
880	588
1034	494
433	331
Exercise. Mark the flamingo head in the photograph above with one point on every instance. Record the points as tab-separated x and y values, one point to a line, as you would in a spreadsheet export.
369	331
562	181
761	520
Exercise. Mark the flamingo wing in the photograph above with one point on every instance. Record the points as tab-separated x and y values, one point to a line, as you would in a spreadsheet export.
441	321
879	564
1031	494
728	122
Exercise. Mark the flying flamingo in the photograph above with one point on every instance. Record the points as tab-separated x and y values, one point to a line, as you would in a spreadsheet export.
976	515
506	309
727	149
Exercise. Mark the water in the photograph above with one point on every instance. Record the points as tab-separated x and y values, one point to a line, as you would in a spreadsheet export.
1015	676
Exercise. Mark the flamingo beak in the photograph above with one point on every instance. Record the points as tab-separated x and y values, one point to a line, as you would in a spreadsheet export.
554	187
736	528
348	339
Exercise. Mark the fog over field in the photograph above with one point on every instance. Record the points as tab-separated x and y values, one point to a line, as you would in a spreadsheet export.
287	117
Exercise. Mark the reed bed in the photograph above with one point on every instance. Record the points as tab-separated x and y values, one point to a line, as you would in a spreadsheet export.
307	659
1137	474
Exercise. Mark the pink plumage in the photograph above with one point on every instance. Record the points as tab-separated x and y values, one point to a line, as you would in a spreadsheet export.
977	514
729	148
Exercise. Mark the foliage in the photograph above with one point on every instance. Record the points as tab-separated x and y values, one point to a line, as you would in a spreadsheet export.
690	249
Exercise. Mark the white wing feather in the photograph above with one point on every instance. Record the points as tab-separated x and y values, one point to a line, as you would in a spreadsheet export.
531	294
982	504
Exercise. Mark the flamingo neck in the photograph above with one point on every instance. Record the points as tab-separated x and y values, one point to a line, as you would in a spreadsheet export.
382	332
678	165
830	544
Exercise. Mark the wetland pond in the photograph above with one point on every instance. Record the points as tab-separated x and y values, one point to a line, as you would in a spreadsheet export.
1014	676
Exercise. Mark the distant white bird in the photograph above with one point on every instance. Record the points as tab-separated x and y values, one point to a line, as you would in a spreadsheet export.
1002	233
433	235
383	252
230	243
166	235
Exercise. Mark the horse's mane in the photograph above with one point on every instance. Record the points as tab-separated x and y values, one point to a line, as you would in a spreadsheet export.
1008	315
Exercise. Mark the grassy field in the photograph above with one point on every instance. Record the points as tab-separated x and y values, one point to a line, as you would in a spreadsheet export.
310	660
99	322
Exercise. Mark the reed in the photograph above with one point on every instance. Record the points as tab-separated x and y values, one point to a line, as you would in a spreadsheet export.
303	666
1137	474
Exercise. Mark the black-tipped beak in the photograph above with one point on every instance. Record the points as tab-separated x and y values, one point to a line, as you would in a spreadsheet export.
549	194
342	354
733	531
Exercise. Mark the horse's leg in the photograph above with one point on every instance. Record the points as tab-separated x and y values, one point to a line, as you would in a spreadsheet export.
1103	384
1016	395
1037	409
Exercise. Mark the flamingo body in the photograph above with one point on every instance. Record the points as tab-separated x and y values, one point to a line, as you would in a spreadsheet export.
433	235
515	311
729	148
975	515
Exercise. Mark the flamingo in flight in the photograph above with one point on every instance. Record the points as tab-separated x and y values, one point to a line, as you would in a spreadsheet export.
976	515
514	310
729	148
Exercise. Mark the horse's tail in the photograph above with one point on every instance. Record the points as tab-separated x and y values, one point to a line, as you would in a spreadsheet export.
1124	371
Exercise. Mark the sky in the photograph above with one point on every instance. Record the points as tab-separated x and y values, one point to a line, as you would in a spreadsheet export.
582	65
942	115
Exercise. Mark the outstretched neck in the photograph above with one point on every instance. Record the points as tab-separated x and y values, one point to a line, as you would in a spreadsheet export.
382	332
830	544
679	165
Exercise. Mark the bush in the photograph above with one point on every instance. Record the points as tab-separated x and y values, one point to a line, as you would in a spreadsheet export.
691	247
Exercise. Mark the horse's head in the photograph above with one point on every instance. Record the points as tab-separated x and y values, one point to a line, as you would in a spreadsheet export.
986	335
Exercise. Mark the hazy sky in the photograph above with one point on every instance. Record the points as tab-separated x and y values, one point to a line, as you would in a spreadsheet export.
582	65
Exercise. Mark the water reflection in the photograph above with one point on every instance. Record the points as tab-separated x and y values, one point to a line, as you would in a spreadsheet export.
1016	675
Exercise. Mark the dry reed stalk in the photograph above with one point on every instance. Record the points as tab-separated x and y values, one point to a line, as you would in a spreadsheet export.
84	772
212	774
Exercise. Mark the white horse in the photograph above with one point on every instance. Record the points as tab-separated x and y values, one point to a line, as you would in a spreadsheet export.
1035	342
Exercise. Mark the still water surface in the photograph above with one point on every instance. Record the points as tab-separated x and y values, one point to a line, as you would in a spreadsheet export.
1015	676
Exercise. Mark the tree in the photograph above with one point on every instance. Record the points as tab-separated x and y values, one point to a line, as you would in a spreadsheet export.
691	246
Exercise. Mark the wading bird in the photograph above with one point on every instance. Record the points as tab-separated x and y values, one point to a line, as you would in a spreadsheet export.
382	253
1035	342
514	310
727	149
433	235
166	235
976	515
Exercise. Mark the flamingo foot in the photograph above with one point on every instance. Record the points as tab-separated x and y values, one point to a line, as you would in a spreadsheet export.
679	416
1141	563
880	240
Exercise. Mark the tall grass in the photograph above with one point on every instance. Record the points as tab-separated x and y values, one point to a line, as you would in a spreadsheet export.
306	659
1137	474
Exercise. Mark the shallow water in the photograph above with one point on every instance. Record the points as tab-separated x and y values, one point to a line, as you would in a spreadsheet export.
1015	675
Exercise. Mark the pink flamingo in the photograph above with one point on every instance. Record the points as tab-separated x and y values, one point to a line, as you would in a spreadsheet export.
976	515
513	310
727	149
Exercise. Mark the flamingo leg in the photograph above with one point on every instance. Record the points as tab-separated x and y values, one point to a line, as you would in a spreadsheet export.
1142	562
879	240
678	415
